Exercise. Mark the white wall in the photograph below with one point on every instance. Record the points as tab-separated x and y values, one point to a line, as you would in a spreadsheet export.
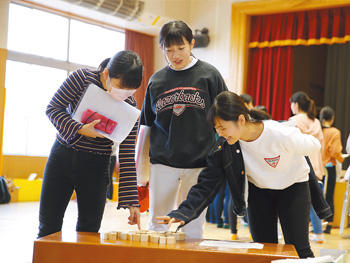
212	14
216	16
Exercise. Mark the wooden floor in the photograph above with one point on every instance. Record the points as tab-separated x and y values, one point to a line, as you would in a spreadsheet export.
19	224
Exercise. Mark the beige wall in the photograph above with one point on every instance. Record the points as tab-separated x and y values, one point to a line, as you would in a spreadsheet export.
4	5
212	14
216	16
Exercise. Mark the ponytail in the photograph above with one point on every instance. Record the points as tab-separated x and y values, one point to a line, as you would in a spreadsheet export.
259	115
311	113
305	103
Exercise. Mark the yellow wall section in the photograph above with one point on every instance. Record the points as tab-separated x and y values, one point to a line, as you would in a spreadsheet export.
22	166
3	57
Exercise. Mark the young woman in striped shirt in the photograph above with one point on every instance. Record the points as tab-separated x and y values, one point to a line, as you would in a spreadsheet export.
80	157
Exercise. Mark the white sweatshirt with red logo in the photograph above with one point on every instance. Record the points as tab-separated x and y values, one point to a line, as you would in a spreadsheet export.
276	159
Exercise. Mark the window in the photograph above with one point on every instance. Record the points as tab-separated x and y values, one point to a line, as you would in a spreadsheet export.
43	49
85	38
36	32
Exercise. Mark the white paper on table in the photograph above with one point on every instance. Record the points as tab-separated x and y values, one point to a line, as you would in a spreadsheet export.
230	244
323	259
98	100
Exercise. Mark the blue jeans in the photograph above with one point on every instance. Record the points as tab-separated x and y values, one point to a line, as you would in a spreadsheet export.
315	220
221	203
67	170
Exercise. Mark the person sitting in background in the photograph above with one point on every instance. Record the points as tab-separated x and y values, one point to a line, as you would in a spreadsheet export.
332	152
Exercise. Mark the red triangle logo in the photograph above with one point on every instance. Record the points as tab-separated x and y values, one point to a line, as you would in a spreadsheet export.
272	161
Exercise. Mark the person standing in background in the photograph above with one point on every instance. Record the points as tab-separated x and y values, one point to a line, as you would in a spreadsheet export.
332	152
304	110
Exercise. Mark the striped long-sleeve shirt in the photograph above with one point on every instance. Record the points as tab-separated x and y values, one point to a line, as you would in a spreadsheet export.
59	111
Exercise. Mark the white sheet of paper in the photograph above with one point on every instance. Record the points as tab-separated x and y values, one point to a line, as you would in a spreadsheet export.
323	259
230	244
100	101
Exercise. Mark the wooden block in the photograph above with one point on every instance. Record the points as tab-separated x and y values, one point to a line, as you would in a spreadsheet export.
180	236
112	236
162	240
170	240
136	237
123	236
144	237
154	239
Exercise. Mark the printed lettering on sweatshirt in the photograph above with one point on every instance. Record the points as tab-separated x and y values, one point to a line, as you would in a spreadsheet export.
178	99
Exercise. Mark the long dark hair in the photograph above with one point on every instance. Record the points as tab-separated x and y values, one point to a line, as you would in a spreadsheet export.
172	33
125	65
228	106
326	114
305	103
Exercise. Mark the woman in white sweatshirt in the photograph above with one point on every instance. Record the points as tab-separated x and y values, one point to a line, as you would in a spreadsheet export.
275	167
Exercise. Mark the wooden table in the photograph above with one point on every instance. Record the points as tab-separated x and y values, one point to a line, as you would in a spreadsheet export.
90	247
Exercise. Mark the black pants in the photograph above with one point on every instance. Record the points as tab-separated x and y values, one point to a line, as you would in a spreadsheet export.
67	170
111	170
232	217
291	206
330	190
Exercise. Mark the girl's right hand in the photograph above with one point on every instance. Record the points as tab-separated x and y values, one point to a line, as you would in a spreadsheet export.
168	220
89	130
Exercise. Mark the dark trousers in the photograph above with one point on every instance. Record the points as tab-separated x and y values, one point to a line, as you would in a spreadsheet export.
67	170
330	190
232	217
221	203
111	170
291	206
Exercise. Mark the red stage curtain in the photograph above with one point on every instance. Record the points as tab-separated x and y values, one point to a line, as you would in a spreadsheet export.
270	69
270	79
314	27
143	45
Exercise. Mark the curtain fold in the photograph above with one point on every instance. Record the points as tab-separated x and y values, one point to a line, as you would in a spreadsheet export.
337	88
143	45
270	79
313	27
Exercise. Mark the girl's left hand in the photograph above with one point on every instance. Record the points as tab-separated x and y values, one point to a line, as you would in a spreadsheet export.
134	217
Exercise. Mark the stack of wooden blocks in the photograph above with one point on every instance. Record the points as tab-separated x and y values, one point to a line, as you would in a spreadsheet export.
146	236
